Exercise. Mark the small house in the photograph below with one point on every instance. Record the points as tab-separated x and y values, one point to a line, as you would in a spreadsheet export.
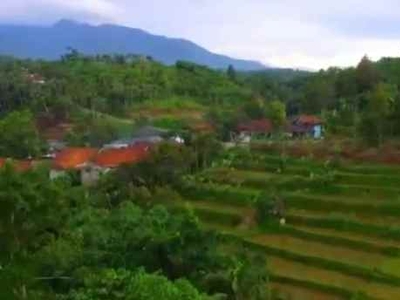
71	159
306	126
108	159
254	129
91	163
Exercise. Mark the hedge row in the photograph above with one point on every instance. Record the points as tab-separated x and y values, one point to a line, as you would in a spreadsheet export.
369	179
260	180
371	169
225	218
323	184
335	240
259	154
381	180
219	193
313	285
275	168
315	204
344	224
352	270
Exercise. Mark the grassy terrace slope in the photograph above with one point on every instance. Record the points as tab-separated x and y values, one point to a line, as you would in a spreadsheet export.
343	230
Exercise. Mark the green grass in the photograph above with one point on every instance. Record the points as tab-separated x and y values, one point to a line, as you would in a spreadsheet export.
125	126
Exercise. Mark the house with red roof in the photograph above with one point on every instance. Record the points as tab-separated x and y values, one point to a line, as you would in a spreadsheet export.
247	131
306	126
92	163
69	159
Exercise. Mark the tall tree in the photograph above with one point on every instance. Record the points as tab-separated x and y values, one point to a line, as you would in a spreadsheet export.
367	75
231	72
374	122
276	112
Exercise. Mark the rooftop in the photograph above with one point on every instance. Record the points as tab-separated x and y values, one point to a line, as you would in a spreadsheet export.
257	126
307	120
110	158
73	158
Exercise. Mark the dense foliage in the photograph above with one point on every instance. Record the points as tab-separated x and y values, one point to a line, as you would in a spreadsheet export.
352	101
64	242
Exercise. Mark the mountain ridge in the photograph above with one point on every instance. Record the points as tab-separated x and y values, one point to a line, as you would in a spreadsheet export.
50	42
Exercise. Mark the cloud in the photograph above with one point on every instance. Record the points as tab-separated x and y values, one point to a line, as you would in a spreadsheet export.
50	11
290	33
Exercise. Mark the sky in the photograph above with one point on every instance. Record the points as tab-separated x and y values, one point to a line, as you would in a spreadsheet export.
307	34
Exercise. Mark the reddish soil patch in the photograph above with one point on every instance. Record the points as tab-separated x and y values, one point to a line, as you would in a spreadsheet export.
52	128
386	154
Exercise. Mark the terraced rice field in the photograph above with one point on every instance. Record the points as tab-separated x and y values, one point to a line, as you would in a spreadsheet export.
342	236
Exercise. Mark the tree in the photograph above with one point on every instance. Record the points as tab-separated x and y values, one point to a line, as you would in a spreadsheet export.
18	135
94	131
250	278
254	109
231	72
113	284
33	211
366	75
374	120
276	112
206	148
318	94
164	166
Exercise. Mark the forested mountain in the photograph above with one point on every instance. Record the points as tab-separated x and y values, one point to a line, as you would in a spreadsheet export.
51	42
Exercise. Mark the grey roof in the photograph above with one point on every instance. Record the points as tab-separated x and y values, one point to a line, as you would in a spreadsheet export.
149	131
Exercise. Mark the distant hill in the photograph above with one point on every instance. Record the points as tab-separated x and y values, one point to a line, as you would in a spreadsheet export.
51	42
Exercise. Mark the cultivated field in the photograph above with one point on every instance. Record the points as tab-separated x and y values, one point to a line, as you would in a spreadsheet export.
342	232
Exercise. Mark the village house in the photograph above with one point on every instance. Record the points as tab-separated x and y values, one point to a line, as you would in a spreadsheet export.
108	159
71	159
306	126
91	163
254	129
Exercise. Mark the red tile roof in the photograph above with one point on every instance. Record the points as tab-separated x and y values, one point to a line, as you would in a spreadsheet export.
257	126
73	158
111	158
307	120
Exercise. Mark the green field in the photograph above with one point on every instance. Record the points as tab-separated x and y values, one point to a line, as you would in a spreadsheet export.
342	234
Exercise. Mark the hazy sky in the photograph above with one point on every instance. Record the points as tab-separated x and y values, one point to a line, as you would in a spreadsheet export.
290	33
